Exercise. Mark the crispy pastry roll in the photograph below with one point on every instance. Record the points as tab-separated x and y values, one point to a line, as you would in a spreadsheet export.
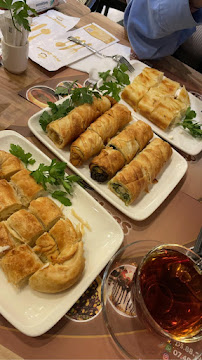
128	142
92	140
9	165
66	238
64	131
135	177
24	227
26	187
6	241
106	164
9	201
19	263
58	277
46	211
132	139
88	144
112	121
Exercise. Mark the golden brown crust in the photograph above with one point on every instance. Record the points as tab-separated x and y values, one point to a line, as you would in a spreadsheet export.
9	201
111	121
88	144
26	187
24	227
167	112
149	77
46	211
132	139
19	263
66	238
56	278
131	180
9	165
46	248
140	172
6	240
106	164
156	98
64	131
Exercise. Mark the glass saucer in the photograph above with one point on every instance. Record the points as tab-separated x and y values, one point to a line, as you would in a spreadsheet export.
132	338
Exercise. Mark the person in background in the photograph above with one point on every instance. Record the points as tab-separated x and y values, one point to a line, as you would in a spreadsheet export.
157	28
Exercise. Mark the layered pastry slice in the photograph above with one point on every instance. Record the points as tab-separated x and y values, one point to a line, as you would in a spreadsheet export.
167	112
66	238
6	240
9	201
63	248
24	227
46	211
19	264
147	79
26	187
9	165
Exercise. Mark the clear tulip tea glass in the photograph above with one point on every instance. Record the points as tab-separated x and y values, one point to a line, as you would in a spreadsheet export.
168	292
152	300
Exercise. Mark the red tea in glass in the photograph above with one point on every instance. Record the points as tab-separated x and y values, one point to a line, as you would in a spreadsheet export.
169	288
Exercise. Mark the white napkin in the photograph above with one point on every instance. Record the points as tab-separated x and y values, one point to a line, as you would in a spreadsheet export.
94	64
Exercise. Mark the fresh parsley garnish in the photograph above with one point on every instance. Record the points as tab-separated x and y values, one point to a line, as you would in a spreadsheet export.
19	11
57	112
50	176
118	80
192	126
17	151
78	96
53	176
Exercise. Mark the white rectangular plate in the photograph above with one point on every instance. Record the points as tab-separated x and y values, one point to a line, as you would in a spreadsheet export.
34	313
146	204
176	136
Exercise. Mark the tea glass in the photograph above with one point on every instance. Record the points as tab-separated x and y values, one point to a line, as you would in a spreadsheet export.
126	316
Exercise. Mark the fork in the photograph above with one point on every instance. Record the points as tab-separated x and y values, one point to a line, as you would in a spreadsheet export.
118	58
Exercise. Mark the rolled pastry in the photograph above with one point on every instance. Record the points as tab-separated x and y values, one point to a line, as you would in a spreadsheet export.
88	144
106	164
132	139
120	150
112	121
64	131
92	140
9	165
135	177
59	277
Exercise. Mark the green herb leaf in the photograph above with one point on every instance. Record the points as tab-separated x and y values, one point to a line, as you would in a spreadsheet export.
192	126
61	196
19	11
26	158
114	81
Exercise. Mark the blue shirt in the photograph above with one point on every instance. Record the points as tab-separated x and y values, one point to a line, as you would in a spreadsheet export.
156	28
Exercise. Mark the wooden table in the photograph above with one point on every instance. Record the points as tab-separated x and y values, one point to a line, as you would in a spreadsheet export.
177	220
